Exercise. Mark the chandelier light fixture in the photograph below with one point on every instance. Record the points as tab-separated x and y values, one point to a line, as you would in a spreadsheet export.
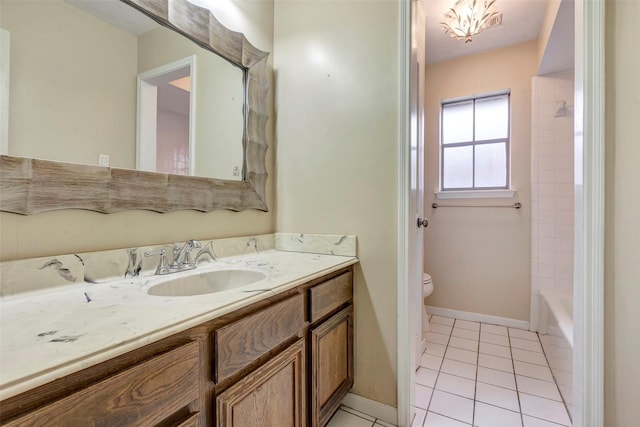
469	17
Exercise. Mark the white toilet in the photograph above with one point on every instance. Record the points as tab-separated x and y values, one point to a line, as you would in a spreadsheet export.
427	289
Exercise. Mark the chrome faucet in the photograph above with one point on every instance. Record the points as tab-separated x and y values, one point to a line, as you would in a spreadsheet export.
182	256
162	268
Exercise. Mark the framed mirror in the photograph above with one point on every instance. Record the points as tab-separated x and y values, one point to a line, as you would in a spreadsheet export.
30	185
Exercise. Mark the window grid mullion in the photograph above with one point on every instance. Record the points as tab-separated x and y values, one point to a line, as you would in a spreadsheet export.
484	141
473	143
473	149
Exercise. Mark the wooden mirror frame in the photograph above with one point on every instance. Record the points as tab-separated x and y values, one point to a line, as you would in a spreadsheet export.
30	186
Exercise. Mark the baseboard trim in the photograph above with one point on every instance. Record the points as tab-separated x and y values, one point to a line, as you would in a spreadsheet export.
376	409
477	317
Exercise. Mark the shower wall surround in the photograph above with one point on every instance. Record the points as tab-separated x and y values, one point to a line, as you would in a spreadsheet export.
551	186
37	274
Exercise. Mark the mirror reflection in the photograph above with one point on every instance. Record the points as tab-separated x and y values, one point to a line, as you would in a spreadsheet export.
99	83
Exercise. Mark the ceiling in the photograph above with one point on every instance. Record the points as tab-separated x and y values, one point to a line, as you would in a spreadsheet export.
118	14
521	22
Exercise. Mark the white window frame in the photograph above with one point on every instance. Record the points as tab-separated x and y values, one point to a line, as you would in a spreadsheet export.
473	189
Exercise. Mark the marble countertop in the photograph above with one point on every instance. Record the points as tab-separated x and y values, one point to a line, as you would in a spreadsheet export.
47	334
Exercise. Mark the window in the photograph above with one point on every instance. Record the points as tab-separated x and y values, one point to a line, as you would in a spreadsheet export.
474	143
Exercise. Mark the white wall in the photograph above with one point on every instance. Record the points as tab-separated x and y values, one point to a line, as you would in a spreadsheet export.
546	28
622	231
68	102
336	65
479	258
551	187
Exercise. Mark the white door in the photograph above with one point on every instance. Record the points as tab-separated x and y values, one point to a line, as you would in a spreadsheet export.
166	124
417	221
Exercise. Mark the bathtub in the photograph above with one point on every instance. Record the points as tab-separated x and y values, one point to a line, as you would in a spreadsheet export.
556	335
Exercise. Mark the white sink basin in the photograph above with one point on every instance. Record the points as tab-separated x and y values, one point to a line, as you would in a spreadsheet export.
205	283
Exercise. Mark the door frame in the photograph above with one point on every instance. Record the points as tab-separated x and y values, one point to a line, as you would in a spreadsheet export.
405	224
146	104
588	375
589	191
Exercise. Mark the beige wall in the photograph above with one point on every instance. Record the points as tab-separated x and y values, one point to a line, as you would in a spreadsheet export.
73	230
337	87
493	245
67	100
622	273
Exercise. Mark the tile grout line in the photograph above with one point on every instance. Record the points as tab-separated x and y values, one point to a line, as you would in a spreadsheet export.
355	415
438	374
500	370
555	381
433	390
475	386
550	422
515	378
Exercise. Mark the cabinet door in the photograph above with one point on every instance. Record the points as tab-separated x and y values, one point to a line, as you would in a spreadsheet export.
331	365
271	396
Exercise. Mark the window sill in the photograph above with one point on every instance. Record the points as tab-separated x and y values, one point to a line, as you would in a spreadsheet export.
476	194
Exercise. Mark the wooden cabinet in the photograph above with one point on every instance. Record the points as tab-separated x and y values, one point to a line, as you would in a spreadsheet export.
331	367
286	360
242	342
147	394
272	395
328	296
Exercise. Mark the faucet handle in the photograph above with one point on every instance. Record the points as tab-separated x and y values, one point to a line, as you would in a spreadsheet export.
176	252
162	268
187	263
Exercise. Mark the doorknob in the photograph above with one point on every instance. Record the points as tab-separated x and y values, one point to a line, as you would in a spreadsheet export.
423	222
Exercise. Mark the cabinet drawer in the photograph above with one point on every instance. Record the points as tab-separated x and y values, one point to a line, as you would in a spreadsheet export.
239	344
142	395
330	295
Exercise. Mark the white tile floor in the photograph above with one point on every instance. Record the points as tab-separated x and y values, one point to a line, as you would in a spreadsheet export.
348	417
476	374
481	375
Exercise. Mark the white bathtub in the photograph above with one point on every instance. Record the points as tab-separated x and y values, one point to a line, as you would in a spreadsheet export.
556	335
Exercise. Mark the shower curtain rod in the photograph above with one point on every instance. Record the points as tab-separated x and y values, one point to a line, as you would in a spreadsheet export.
517	205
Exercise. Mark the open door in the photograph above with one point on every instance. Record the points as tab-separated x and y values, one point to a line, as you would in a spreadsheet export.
412	223
166	118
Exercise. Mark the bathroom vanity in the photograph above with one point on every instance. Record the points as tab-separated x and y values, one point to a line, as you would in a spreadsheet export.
278	352
99	338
